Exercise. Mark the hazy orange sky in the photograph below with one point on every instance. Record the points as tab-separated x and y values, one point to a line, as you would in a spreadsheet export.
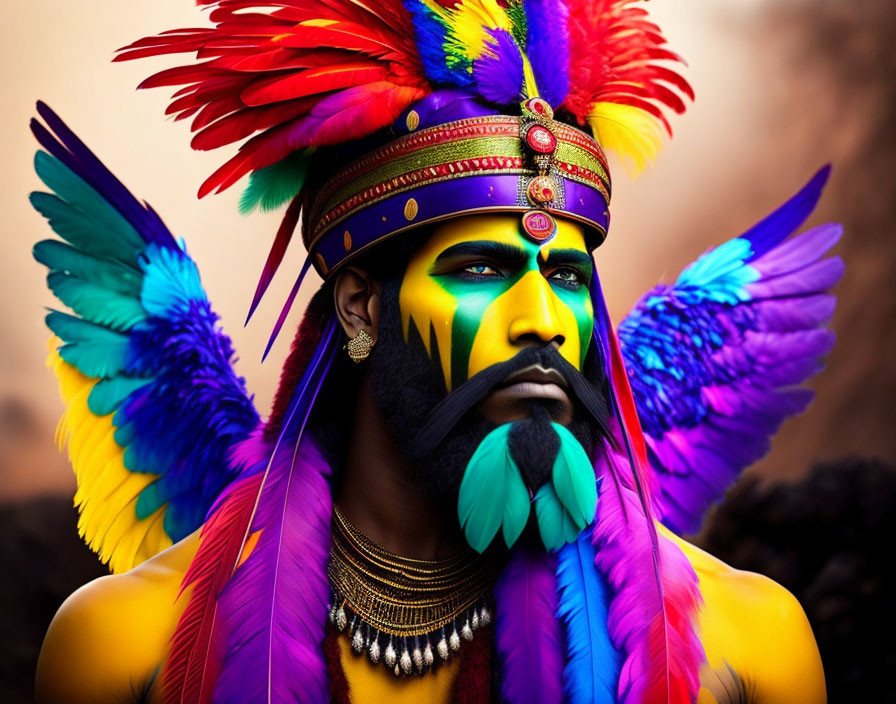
763	122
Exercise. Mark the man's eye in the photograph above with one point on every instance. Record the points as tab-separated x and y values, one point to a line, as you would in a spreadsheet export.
480	270
566	276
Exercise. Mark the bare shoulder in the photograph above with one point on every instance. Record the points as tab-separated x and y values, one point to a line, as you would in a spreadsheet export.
109	639
754	627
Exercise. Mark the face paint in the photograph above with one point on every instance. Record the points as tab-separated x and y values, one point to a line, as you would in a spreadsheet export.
479	290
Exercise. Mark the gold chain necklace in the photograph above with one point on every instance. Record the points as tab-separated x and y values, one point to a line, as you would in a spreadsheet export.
404	612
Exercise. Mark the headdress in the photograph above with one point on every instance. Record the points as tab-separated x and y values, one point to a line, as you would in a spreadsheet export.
367	119
420	110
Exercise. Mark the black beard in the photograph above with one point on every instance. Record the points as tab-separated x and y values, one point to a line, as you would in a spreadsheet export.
409	386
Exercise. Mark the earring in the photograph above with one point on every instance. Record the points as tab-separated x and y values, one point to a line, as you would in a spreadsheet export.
359	346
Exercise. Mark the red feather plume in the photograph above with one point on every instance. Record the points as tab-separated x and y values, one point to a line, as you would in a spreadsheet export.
304	73
193	663
613	50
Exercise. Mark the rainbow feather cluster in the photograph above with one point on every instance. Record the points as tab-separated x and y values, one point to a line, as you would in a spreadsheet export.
153	403
295	74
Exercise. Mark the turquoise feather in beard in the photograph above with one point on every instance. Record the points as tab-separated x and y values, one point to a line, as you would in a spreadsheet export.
495	496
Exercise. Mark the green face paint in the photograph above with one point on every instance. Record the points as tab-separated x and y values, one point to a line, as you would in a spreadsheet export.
485	291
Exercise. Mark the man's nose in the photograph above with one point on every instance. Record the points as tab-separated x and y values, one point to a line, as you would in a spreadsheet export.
535	319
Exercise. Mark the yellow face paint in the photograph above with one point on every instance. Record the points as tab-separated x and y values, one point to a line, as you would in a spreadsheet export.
479	291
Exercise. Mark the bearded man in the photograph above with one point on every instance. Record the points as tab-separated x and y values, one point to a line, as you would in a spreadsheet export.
452	499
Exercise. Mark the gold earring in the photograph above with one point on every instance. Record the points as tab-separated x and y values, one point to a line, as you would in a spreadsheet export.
359	346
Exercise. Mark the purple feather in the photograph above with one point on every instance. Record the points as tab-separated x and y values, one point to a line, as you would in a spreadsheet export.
795	314
814	278
799	251
499	72
547	46
652	615
274	608
529	638
287	306
770	231
71	151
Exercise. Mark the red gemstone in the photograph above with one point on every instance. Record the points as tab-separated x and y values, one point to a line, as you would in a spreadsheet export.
540	226
540	139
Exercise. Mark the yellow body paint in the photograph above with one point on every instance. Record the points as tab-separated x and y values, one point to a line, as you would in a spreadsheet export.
480	319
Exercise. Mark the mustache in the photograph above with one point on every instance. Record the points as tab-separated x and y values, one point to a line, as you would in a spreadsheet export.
448	412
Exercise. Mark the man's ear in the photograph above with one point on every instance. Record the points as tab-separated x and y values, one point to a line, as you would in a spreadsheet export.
357	298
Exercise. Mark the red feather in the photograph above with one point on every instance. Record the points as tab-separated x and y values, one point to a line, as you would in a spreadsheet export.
278	249
287	76
244	123
613	50
193	661
358	111
312	82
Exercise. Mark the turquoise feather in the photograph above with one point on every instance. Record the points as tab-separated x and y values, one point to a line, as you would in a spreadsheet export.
81	231
171	282
109	394
85	200
81	198
591	674
59	256
125	432
72	329
151	499
573	478
492	493
554	522
276	185
95	303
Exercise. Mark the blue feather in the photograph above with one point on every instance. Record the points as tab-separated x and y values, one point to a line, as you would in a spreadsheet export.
592	663
774	228
499	72
430	34
547	46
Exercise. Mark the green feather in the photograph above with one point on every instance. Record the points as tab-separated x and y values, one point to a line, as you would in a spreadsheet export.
554	522
93	349
573	479
109	394
276	185
517	14
107	221
150	500
72	329
95	303
125	432
82	231
59	256
492	493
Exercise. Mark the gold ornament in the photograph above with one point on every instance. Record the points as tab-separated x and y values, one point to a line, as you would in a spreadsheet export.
400	611
359	346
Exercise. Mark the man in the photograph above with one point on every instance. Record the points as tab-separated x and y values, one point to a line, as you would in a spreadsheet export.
466	510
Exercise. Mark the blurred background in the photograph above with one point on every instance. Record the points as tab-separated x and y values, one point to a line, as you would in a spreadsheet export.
782	88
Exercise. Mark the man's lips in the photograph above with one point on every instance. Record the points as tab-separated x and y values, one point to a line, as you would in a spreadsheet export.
533	382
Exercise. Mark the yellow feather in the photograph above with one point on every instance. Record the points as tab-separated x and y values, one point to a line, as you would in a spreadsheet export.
107	492
634	134
468	22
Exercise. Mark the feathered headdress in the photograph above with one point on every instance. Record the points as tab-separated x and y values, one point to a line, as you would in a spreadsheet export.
296	77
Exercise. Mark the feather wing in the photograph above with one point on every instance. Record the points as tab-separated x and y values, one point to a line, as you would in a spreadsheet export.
153	403
716	360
